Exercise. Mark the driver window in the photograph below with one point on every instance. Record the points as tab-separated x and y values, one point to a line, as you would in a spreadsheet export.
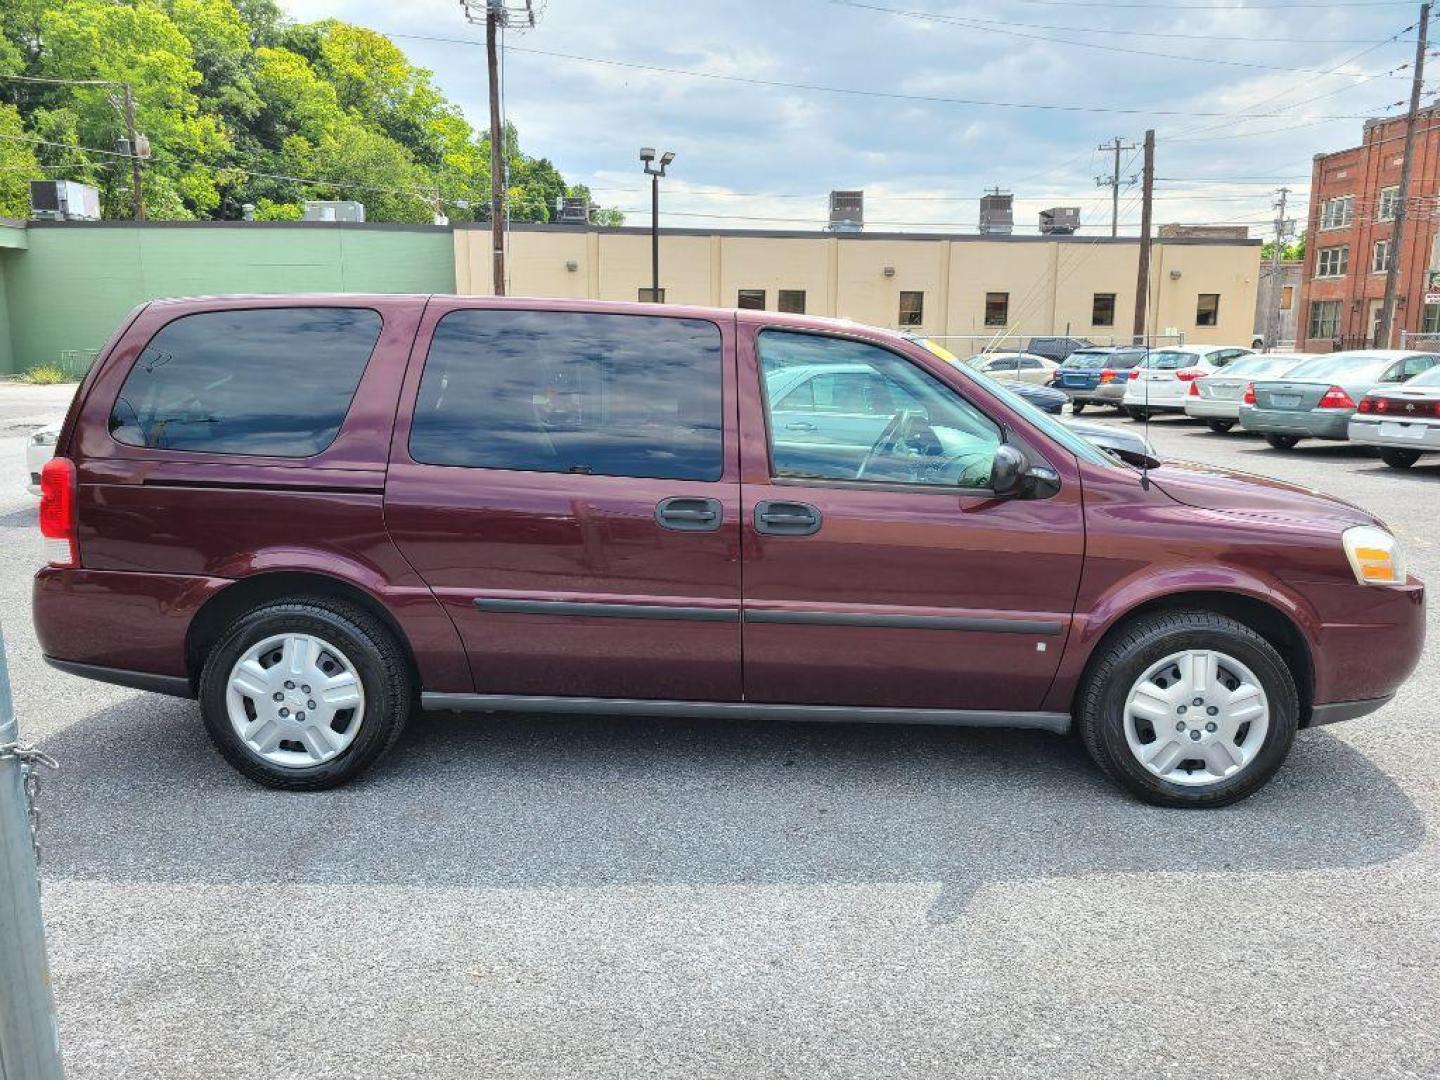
847	410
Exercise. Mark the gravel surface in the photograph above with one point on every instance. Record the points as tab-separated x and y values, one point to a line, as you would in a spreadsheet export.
556	897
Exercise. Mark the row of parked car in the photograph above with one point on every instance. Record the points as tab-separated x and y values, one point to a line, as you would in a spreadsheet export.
1387	398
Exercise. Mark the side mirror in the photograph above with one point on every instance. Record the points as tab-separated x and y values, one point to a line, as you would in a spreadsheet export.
1008	469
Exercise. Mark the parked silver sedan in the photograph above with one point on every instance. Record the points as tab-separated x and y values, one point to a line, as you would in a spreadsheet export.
1216	398
1403	421
1317	399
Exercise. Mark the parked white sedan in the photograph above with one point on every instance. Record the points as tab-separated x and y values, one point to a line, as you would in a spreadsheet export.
1402	420
1161	382
1215	398
39	448
1014	366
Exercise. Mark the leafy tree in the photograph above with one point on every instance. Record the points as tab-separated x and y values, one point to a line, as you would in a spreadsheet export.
1295	250
18	165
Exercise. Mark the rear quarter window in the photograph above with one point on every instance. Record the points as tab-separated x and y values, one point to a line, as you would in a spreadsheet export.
268	381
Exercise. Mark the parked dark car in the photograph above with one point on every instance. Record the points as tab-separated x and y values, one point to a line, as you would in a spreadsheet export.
1056	348
315	514
1096	375
1045	398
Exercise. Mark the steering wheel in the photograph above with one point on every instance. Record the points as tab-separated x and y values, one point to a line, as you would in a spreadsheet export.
900	429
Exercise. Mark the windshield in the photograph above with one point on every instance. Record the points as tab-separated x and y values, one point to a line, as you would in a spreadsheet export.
1261	365
1081	448
1169	360
1328	367
1086	359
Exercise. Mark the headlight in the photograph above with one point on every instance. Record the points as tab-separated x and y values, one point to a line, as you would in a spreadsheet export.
44	438
1375	556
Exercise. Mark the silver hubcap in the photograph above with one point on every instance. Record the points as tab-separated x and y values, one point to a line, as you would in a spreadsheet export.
1196	717
295	700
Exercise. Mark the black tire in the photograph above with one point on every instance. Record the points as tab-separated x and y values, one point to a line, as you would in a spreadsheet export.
1282	442
370	647
1125	656
1133	412
1220	427
1076	408
1398	457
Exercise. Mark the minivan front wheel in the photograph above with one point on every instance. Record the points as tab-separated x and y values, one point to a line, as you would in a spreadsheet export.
306	694
1189	709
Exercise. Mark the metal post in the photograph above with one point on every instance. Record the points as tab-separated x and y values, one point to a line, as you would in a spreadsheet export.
1142	279
1397	230
497	161
655	238
137	191
29	1035
1113	181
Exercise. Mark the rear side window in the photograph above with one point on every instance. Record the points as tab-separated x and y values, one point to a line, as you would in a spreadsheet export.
581	392
272	381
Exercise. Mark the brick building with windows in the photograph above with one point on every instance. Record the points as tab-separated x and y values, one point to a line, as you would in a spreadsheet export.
1353	196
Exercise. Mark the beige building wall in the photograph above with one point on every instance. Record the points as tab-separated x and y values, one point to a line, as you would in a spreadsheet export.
1051	284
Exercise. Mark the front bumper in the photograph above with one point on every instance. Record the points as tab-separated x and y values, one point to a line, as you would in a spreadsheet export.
1410	435
1212	408
1309	423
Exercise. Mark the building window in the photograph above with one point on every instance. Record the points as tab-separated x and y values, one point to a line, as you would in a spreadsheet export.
792	301
1207	309
647	296
1332	261
1381	257
1389	200
1102	309
751	299
1430	321
997	308
1324	319
1337	213
912	308
1287	297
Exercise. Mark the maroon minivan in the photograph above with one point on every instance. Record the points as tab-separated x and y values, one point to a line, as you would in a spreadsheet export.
316	514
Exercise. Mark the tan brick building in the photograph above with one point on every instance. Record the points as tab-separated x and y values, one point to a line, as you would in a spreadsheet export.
1353	196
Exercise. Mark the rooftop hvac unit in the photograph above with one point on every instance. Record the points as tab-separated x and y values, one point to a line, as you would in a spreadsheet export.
847	211
64	200
333	210
1060	220
574	211
997	213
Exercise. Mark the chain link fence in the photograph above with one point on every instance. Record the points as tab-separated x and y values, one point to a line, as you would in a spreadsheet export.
963	345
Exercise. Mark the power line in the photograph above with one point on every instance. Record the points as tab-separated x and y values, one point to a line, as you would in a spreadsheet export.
933	16
987	27
1218	7
889	95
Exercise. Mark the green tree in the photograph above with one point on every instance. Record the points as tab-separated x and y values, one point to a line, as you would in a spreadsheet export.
18	165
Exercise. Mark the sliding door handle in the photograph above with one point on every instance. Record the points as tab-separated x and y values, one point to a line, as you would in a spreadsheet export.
786	519
689	515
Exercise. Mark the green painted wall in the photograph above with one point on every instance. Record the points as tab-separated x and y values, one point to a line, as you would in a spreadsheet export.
74	282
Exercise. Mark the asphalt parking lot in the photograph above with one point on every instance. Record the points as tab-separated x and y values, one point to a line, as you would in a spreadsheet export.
559	897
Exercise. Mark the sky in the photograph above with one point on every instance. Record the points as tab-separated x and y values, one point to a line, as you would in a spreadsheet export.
912	100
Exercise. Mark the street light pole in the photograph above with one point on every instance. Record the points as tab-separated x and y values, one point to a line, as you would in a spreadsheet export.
655	172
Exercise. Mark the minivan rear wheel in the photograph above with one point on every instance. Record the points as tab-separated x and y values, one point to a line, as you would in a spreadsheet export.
305	694
1398	457
1188	709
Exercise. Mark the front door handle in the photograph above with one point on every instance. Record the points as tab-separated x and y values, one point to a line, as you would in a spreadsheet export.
685	514
800	425
786	519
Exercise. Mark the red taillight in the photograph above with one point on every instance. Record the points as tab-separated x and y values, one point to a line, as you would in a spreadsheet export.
1135	374
1189	375
1249	398
1391	407
1371	405
1194	390
1336	398
57	511
1107	375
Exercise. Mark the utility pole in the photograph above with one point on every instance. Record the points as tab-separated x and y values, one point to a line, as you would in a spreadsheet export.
493	15
1277	254
1397	230
137	193
1113	180
1142	278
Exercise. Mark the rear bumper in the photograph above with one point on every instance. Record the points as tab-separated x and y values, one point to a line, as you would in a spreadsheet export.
1308	423
1210	409
1106	394
173	685
1158	401
1418	436
1346	710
